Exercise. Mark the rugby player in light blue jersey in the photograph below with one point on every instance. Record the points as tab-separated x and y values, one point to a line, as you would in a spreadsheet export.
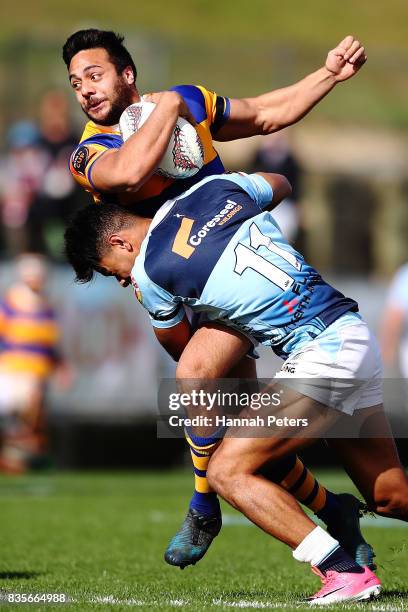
216	250
104	78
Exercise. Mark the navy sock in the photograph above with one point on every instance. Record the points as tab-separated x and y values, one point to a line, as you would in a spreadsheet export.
206	504
329	513
339	561
279	470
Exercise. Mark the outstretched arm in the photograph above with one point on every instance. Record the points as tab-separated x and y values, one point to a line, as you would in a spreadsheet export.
277	109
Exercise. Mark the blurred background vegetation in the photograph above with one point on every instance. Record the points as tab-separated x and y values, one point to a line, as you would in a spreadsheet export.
358	133
237	47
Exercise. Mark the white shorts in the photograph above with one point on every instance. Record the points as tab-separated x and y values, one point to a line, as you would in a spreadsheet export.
17	392
345	363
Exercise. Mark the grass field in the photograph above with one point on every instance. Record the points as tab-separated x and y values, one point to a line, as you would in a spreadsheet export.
99	538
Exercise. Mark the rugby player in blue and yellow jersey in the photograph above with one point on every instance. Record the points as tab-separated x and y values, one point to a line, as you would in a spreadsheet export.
103	76
29	356
234	265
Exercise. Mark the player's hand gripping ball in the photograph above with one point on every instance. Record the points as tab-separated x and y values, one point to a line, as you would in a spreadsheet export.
184	156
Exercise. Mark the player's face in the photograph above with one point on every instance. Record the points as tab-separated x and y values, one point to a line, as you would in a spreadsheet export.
118	262
32	272
102	93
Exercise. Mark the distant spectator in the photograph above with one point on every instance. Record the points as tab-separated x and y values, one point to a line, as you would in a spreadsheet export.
21	176
29	338
394	328
59	195
275	155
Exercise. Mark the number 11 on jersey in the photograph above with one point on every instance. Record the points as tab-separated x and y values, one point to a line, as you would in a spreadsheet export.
246	258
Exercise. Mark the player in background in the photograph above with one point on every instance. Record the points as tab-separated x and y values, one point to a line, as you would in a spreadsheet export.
393	333
103	77
242	273
29	356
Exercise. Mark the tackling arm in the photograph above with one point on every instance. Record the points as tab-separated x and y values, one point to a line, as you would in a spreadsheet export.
280	185
277	109
212	352
174	339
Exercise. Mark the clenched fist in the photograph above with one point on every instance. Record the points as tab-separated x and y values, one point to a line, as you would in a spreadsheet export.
346	59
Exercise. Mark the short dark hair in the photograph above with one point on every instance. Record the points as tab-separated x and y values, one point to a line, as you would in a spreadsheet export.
86	237
92	39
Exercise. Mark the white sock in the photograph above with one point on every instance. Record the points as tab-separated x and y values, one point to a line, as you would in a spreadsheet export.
315	547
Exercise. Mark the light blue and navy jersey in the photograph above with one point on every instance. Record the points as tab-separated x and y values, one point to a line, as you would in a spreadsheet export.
216	250
210	112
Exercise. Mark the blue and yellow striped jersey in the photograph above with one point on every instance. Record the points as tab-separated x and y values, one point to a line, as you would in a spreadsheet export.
209	110
28	336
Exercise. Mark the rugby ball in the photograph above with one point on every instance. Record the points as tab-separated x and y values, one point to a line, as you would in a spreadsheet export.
184	156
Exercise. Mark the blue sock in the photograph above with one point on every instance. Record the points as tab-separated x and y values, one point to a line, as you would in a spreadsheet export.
339	561
329	513
204	500
206	504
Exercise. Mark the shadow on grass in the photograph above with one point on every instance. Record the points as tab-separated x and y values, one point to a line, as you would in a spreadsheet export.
18	575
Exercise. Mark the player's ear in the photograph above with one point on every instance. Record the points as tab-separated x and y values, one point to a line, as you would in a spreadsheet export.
129	75
115	240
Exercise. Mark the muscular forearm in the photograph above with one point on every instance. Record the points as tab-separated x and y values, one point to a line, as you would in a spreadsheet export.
141	154
275	110
286	106
128	168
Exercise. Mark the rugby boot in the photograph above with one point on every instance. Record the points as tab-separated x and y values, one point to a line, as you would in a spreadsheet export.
345	586
346	529
194	538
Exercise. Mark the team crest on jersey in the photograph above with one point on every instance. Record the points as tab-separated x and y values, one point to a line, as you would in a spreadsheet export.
80	160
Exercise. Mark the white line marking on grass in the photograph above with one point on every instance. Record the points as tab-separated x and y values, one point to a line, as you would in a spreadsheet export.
232	520
243	603
179	603
110	599
384	608
237	520
34	490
